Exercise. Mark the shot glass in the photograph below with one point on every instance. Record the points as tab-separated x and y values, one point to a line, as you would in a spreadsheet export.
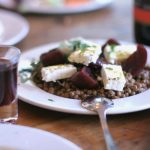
9	57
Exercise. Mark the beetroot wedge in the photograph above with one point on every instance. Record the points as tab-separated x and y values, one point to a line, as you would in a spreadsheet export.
136	62
97	65
83	79
53	57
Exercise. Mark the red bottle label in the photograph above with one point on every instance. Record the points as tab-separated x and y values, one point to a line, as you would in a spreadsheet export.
142	15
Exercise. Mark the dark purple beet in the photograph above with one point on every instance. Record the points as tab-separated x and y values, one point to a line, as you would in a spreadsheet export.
136	62
98	65
53	57
84	79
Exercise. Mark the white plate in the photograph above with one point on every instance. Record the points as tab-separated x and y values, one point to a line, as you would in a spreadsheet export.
15	27
15	137
31	94
30	7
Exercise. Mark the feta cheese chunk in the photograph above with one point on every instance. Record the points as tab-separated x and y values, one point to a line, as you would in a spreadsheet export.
69	46
87	55
118	53
113	77
57	72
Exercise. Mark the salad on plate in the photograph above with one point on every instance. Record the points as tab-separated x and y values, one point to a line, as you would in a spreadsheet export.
79	68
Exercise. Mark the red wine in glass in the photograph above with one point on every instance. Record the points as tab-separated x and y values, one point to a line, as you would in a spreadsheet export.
9	57
8	82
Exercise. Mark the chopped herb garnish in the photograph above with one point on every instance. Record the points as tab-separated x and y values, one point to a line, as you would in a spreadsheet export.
75	44
109	68
27	74
80	45
51	100
25	70
34	64
112	46
83	47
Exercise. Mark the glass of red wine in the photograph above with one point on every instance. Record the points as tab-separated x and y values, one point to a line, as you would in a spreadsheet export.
9	57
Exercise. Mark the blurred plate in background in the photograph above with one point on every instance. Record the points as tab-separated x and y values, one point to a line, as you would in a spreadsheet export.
15	137
13	27
55	6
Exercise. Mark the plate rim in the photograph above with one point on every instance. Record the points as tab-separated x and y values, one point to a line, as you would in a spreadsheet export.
82	111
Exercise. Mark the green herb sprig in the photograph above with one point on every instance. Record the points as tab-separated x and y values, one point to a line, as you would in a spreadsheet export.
27	74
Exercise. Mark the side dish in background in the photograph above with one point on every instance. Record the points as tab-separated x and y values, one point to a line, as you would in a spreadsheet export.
82	68
14	32
55	6
58	3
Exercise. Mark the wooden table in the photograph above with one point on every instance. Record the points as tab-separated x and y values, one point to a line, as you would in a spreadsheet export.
131	131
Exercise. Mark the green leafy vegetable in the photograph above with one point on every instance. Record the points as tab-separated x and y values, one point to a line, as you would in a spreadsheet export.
112	46
83	47
27	74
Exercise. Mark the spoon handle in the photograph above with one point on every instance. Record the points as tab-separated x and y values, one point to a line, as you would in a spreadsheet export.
108	138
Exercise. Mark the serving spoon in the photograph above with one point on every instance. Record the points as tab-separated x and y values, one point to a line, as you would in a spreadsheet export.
101	105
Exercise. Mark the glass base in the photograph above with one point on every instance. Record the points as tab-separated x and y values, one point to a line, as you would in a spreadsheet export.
9	113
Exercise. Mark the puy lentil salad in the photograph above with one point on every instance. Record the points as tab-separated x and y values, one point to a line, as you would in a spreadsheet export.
86	78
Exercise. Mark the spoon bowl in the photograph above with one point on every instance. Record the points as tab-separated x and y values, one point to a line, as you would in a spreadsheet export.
94	103
101	105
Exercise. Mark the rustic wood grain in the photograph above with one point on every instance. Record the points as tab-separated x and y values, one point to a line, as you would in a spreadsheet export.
131	131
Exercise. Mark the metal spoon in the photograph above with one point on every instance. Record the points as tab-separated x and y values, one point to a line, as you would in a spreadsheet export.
101	105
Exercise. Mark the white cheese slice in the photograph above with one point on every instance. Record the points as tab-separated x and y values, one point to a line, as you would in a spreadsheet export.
118	53
86	56
57	72
113	77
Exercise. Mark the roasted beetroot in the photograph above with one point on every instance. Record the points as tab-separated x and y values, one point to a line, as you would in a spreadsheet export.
84	79
97	65
136	62
53	57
